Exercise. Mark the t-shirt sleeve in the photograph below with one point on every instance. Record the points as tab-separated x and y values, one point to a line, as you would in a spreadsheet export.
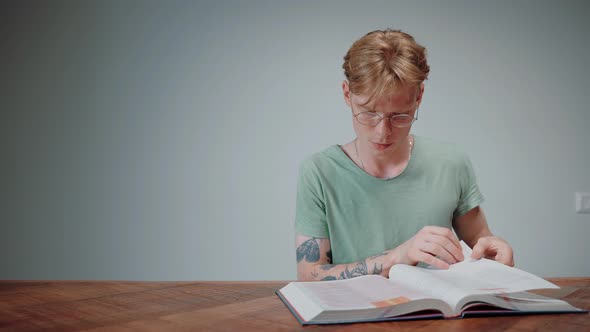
310	210
470	196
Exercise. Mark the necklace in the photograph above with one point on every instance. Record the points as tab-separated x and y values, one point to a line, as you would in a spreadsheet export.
356	151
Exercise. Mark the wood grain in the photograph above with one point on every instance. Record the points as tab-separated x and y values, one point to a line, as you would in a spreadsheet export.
223	306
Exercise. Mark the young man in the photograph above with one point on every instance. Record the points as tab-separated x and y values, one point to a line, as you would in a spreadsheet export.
387	197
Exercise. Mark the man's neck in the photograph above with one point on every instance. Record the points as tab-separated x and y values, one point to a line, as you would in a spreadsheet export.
386	165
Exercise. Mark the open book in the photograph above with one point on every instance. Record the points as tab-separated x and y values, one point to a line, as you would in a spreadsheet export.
470	288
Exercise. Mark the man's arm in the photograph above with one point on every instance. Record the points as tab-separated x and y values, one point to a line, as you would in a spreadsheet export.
314	256
314	262
472	227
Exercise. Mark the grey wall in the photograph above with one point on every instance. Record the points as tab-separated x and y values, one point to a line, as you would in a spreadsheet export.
161	140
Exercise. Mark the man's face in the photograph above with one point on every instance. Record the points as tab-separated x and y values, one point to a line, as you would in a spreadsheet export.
384	137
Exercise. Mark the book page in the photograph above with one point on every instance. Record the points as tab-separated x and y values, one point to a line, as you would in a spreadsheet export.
358	293
485	276
469	277
521	301
412	277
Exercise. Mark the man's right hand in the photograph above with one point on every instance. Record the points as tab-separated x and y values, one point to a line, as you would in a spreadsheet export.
314	256
433	245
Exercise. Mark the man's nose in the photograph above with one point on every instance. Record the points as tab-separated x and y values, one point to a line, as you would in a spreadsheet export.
384	127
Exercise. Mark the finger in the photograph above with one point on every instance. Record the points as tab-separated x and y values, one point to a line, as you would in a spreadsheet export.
435	249
505	256
503	259
447	246
446	232
480	248
431	260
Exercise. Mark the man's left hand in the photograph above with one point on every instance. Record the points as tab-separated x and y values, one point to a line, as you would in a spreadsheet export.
493	247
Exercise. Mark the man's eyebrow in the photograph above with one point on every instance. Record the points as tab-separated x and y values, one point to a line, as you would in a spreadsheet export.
367	108
401	112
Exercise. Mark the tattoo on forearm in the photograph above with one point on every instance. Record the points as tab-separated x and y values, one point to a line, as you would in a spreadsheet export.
378	269
309	250
359	270
345	274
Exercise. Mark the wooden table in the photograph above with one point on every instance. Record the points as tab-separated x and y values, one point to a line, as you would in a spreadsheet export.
223	306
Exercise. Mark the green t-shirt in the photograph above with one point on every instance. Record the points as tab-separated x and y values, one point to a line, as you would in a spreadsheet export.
363	215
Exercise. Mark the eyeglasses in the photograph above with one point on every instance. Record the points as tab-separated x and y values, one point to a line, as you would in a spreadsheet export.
397	120
372	119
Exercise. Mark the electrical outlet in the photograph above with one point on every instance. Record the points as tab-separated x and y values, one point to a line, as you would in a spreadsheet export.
582	202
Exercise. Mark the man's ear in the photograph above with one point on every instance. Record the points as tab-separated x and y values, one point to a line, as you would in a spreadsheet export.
420	94
346	92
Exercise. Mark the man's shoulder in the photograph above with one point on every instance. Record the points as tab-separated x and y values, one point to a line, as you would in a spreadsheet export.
440	150
323	156
331	157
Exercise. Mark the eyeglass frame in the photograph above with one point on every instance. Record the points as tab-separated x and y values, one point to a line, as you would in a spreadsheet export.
381	117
